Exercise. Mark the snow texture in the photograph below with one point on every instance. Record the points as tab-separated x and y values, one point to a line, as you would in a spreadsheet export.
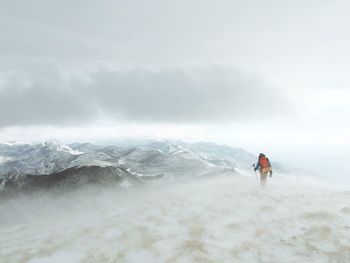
208	219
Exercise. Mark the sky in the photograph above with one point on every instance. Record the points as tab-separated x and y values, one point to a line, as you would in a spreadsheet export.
269	76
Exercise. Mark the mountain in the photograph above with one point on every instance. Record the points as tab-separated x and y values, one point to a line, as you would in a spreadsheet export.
67	179
84	147
47	157
44	163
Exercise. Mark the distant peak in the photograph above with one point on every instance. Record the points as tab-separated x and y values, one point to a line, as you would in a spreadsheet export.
52	141
55	144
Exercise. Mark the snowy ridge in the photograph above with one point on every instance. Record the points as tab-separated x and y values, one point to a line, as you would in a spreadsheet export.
213	219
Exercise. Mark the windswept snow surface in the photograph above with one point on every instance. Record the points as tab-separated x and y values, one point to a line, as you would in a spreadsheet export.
211	219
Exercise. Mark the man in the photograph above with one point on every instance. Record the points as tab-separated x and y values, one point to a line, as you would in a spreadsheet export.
264	167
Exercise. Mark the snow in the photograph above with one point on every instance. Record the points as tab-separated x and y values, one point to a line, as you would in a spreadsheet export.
4	159
211	219
97	163
125	184
133	172
14	143
70	150
57	145
211	164
158	158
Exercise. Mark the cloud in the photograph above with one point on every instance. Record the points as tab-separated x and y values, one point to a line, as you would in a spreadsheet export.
205	94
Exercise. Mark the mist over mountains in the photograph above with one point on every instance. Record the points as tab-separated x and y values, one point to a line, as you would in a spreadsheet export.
53	165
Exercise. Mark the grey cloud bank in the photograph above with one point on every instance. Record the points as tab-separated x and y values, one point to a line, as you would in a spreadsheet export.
192	95
255	33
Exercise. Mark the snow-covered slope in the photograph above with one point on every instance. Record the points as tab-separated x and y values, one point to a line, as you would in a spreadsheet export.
212	219
47	157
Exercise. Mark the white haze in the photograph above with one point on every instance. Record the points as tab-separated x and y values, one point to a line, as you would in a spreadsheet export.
211	219
268	76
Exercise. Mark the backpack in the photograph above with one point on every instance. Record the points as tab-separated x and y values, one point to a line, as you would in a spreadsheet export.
264	162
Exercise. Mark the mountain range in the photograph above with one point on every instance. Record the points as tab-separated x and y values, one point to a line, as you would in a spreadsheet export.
51	164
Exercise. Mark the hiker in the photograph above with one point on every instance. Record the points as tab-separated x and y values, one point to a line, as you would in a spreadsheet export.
264	167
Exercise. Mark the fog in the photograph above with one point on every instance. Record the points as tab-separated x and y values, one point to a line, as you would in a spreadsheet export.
266	76
269	76
208	219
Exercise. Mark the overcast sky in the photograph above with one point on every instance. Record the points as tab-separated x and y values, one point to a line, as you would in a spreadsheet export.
264	75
